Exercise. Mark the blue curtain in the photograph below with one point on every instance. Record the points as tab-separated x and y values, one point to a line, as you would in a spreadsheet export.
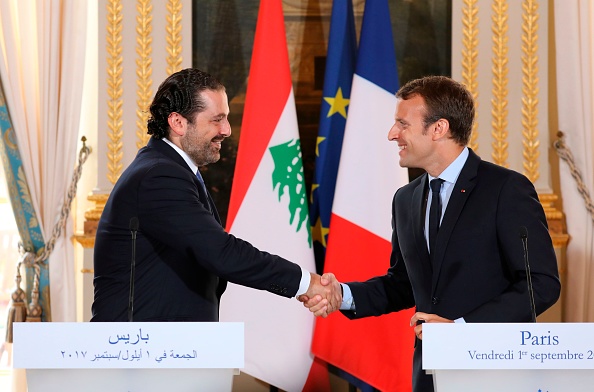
20	198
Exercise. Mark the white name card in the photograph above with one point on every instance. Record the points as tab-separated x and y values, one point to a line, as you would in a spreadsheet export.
128	345
508	346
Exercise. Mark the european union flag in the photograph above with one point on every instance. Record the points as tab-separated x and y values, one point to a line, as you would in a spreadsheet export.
340	67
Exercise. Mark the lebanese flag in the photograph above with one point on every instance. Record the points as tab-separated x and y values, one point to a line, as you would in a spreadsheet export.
377	350
268	208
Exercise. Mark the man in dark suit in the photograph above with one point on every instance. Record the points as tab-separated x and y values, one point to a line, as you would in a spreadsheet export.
184	257
469	265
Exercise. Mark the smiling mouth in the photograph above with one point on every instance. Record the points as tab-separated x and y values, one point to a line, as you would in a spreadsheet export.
402	147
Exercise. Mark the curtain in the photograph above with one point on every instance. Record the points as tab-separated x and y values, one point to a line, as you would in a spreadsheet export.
574	23
42	52
29	230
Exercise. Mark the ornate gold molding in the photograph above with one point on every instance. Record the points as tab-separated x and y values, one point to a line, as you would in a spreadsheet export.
500	81
174	37
470	22
92	216
87	241
555	220
560	240
144	71
99	199
530	89
548	202
114	89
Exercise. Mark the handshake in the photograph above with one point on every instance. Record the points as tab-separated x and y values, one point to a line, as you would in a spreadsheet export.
323	296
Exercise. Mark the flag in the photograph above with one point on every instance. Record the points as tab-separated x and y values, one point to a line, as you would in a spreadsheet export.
338	78
340	67
268	207
377	350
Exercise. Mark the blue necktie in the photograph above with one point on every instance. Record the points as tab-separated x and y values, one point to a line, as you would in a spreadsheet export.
199	175
203	186
434	212
201	180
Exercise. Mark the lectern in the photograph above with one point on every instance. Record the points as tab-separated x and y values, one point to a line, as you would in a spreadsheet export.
510	357
129	356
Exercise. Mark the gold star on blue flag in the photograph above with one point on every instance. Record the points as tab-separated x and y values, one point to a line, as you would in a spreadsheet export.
337	104
340	67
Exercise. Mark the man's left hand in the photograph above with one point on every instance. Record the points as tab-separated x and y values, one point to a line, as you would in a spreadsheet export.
419	318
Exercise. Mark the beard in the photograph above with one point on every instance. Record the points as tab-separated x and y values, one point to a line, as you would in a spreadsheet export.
202	152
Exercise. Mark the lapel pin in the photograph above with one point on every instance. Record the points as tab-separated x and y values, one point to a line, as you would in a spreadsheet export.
463	190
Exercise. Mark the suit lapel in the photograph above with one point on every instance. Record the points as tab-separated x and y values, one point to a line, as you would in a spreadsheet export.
166	150
213	207
206	199
418	209
462	189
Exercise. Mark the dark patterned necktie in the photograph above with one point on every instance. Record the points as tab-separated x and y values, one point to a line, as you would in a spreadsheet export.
434	212
201	180
204	191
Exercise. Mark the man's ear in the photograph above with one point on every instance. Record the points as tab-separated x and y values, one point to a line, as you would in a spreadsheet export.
177	124
440	128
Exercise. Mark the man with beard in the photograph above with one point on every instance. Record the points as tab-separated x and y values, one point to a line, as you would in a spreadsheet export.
184	257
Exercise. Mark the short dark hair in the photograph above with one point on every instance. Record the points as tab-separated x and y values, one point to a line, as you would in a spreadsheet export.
179	93
444	98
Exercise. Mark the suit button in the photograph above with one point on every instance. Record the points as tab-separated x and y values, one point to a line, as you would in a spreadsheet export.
434	300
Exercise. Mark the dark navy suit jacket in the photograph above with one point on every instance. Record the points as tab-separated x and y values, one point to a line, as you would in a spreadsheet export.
184	257
478	271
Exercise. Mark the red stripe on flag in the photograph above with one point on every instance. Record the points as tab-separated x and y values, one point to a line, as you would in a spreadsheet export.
269	86
318	379
377	350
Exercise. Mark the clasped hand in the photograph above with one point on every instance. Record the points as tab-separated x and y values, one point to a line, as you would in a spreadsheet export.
324	295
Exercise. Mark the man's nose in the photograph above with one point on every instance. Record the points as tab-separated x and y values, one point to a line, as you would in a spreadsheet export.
226	131
393	133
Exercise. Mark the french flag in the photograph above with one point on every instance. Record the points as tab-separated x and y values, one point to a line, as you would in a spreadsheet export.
377	350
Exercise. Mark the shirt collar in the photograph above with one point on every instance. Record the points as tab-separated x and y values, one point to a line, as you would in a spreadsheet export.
183	154
451	173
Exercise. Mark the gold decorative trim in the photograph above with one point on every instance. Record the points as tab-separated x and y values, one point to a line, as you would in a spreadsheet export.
548	198
92	216
500	82
87	241
530	89
95	213
555	220
548	202
560	241
553	214
114	89
87	271
144	71
174	38
470	41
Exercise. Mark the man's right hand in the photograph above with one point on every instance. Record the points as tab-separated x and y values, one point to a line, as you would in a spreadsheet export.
324	295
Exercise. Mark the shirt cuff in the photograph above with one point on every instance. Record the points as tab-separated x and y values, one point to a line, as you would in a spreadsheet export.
348	302
460	320
304	282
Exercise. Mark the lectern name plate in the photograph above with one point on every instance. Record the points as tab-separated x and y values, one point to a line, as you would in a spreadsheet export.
508	346
128	345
